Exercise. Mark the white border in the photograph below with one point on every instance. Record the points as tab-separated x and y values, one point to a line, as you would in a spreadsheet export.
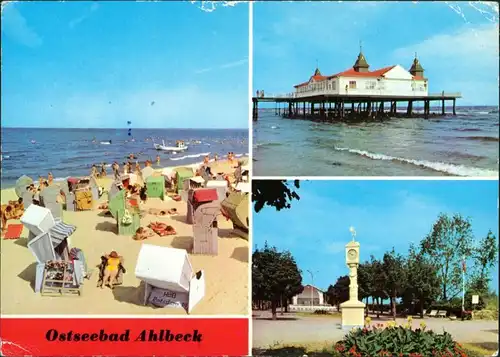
250	158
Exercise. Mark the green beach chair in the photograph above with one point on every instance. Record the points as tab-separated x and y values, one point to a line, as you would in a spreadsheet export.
116	202
128	228
156	187
183	173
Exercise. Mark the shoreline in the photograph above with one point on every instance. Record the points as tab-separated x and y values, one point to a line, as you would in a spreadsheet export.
226	274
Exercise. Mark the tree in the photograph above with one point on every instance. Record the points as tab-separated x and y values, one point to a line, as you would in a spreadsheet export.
448	242
394	274
338	293
365	282
275	275
484	256
275	193
423	283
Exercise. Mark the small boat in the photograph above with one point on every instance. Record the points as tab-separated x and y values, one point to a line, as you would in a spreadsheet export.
33	141
107	142
179	147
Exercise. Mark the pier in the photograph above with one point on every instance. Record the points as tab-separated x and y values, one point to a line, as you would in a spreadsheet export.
345	107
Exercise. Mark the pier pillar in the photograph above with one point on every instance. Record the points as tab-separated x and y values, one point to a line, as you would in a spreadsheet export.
312	109
409	110
352	107
426	109
276	109
289	109
255	113
442	107
342	109
454	102
369	108
304	110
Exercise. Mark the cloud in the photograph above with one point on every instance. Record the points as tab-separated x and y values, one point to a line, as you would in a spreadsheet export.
15	26
464	60
222	66
76	21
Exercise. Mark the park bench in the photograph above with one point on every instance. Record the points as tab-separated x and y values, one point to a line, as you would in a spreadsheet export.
441	313
433	313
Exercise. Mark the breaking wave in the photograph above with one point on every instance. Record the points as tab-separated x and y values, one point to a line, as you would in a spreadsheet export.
450	169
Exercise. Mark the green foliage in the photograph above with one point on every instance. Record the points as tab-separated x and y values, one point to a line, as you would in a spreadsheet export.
397	341
338	293
321	312
484	256
275	275
275	193
395	277
448	242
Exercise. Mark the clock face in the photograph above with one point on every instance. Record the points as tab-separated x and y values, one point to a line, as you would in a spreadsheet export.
352	254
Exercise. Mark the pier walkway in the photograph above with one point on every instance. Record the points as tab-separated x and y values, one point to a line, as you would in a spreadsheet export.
348	106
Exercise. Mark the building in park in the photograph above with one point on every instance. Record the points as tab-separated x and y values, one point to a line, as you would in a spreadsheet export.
310	299
360	80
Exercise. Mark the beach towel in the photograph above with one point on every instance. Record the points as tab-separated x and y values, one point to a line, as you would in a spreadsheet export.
13	231
162	229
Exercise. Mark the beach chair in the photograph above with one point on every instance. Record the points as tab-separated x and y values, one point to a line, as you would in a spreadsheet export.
432	313
220	186
441	313
116	187
182	173
196	198
69	196
27	197
129	228
147	172
156	187
235	207
205	230
48	238
48	199
94	188
116	202
21	184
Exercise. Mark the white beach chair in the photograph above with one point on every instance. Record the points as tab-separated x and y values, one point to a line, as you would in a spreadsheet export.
441	313
433	313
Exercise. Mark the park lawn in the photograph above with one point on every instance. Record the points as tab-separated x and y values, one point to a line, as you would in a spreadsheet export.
325	348
311	314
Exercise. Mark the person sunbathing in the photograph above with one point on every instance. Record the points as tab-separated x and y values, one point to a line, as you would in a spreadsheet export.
111	270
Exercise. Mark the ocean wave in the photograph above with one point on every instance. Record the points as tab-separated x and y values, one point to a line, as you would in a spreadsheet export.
451	169
467	129
263	145
189	156
480	138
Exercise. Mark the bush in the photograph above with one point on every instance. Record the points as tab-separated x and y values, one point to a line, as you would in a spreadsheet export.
395	340
321	312
486	315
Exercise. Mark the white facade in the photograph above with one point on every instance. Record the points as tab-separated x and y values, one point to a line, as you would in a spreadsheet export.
310	296
393	81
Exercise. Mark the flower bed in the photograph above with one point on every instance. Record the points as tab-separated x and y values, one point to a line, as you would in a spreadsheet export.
392	340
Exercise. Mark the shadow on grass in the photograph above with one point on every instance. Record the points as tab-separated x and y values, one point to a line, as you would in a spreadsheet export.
288	351
277	318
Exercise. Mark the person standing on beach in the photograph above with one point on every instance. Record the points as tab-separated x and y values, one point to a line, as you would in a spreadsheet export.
93	172
158	160
103	169
50	178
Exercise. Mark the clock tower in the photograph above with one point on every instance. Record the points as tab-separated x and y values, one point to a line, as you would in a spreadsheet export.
353	310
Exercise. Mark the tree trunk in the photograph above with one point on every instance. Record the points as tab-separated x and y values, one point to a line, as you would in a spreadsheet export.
273	309
421	307
282	302
393	307
286	306
379	307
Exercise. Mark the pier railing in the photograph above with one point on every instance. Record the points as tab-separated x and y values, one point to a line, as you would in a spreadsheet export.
326	92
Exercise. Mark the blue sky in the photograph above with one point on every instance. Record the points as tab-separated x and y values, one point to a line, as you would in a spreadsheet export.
457	43
385	214
99	64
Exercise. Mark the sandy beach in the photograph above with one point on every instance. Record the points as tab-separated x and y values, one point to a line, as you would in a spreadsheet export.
226	274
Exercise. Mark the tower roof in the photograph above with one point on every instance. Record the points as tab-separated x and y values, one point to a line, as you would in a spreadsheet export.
317	72
416	66
361	62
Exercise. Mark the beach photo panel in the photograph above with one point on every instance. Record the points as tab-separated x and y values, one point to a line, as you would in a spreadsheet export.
125	178
344	265
369	88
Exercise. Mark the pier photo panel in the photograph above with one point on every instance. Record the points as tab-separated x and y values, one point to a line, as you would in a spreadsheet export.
375	89
339	267
125	149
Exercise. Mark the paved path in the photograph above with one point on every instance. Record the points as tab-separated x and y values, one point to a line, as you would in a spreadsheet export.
290	329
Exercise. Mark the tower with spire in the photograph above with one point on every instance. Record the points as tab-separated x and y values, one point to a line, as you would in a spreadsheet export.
416	68
361	65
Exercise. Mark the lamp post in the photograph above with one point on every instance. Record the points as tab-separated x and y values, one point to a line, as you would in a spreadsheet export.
312	286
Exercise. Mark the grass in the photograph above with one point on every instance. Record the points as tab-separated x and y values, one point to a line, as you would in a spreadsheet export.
325	348
311	314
